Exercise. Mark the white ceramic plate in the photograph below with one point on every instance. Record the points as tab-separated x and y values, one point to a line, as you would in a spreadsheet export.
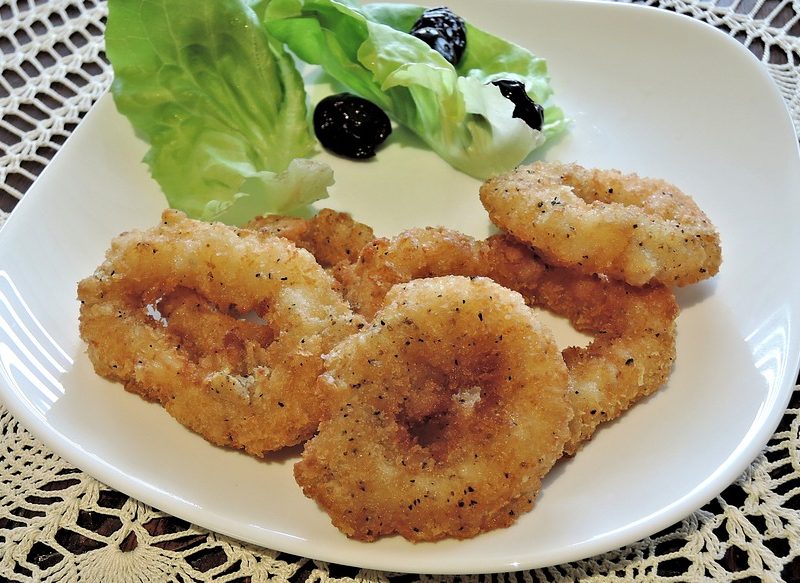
651	92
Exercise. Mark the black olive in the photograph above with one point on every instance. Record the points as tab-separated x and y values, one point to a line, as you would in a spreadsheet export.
443	31
350	126
524	107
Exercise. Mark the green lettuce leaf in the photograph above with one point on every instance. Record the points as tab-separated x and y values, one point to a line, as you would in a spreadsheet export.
221	105
456	111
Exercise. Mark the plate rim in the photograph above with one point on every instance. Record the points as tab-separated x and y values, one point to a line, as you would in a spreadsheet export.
62	446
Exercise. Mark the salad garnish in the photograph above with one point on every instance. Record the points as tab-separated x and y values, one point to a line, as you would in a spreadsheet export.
215	90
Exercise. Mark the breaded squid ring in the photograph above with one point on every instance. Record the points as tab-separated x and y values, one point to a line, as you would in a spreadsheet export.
640	230
413	254
456	408
332	237
633	333
633	329
238	388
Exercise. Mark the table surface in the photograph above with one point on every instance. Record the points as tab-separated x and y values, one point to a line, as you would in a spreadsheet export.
65	526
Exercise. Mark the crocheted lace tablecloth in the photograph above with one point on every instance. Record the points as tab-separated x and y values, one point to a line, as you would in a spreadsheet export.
58	524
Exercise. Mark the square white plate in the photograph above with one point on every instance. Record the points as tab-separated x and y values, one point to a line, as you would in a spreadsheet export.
651	92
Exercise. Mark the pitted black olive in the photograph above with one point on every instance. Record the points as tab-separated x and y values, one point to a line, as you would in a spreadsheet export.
524	107
350	126
443	31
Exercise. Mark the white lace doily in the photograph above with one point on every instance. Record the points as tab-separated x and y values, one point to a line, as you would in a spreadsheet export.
58	524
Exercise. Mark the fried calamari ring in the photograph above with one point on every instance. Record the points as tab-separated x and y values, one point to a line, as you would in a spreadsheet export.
633	328
413	254
227	380
456	408
332	237
640	230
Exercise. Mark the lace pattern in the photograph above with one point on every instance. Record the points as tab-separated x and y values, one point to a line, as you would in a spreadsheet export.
54	69
57	524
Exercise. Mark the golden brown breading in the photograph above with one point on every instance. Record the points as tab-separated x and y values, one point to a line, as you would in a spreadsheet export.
633	333
633	328
331	236
258	391
413	254
640	230
456	408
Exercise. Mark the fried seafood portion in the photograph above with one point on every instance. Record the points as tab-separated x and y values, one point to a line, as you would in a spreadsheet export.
165	315
633	332
640	230
456	407
633	328
332	237
413	254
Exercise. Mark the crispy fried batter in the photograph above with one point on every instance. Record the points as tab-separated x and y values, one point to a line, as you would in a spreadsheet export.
220	339
440	418
456	408
413	254
640	230
633	329
332	237
242	386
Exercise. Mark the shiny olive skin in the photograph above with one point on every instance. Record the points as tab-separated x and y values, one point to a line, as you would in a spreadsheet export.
524	107
350	126
443	31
